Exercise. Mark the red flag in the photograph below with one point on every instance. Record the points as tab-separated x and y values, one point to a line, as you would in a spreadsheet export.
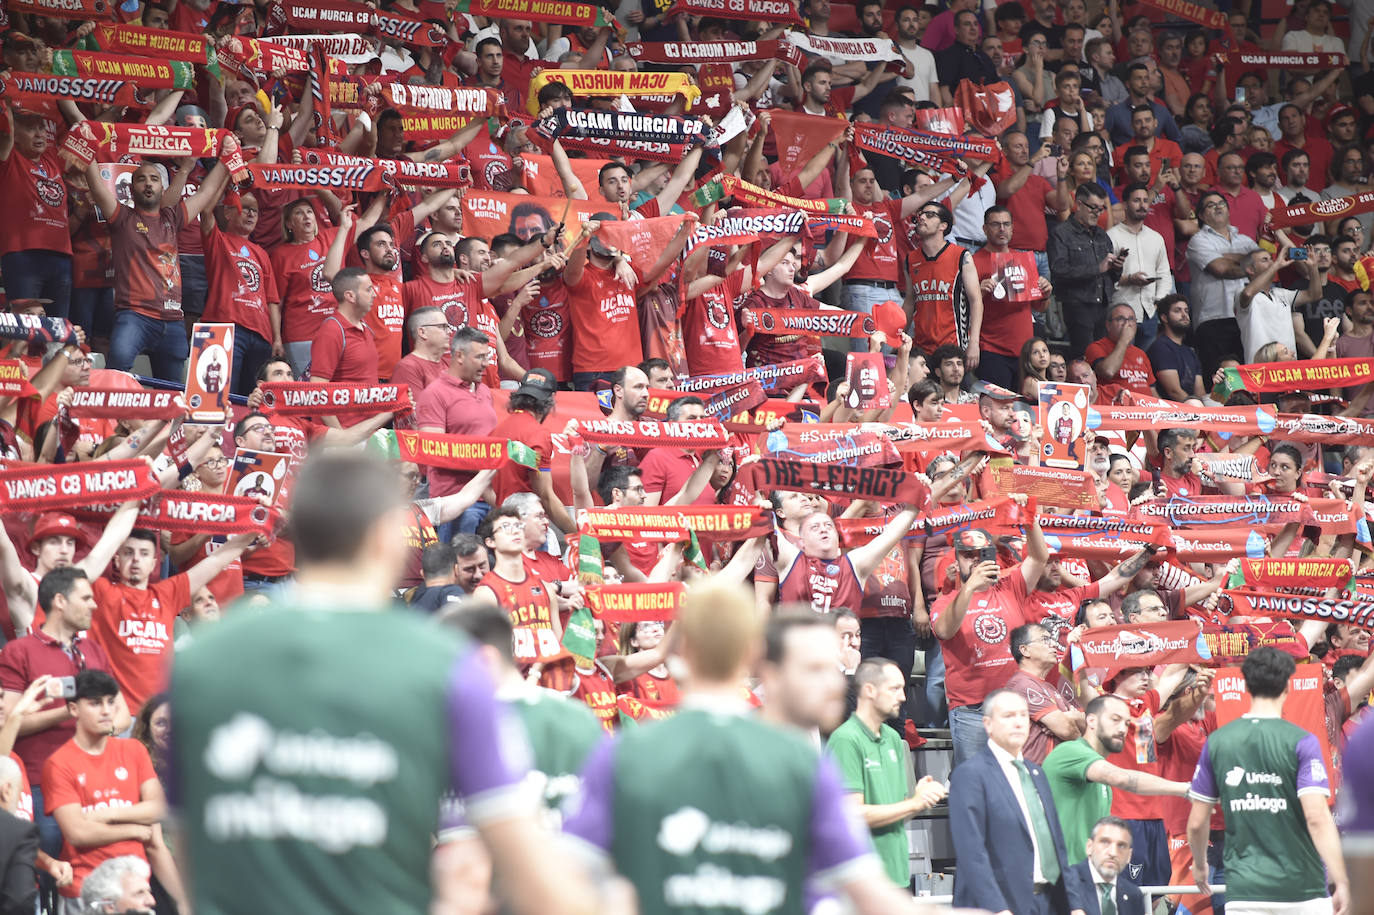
800	137
642	239
990	109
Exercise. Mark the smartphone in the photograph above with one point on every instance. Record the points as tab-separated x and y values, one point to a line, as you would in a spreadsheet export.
1056	149
987	554
1165	164
1240	95
61	688
1297	254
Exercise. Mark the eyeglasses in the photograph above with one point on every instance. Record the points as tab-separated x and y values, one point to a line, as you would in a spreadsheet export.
930	214
509	527
446	326
215	462
1216	205
256	428
1095	208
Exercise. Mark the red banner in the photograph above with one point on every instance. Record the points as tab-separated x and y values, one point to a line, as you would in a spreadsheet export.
1283	574
1239	61
1205	511
211	513
440	100
779	377
1219	544
1304	214
1305	704
50	487
817	322
693	436
1062	488
989	109
1203	16
800	136
121	403
998	515
367	178
726	522
1229	644
400	171
634	603
1116	648
659	524
1301	375
875	483
1353	610
32	90
325	398
675	52
831	443
953	436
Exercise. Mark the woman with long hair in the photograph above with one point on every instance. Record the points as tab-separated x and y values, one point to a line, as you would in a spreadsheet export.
153	729
655	686
1081	168
1198	121
1035	361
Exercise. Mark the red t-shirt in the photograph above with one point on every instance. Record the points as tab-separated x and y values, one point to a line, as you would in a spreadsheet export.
531	606
1140	755
520	426
547	332
388	322
978	656
144	250
114	778
1027	208
605	323
1007	323
292	436
767	349
307	297
1041	698
1135	373
881	258
419	533
36	202
1178	758
241	283
708	329
665	471
227	585
1055	610
463	304
26	659
343	351
135	627
419	373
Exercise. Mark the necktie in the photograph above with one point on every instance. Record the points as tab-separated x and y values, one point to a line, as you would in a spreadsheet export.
1040	824
1105	900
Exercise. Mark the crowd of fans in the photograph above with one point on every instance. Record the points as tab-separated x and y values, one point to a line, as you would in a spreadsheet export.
1072	194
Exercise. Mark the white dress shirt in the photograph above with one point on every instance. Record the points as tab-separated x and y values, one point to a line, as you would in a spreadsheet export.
1098	880
1004	760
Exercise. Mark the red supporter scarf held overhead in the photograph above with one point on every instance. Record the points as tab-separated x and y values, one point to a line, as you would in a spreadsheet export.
14	379
183	512
439	100
655	524
408	30
675	52
122	403
64	9
783	11
734	401
1239	61
1303	375
1353	611
875	483
145	72
369	177
726	522
869	50
1144	417
32	90
1225	511
989	109
326	398
1242	467
664	138
1285	574
1335	516
781	376
1323	430
461	452
1220	544
831	443
693	436
90	141
771	412
817	322
1203	16
50	487
36	328
319	16
249	55
590	15
746	194
1050	486
1131	532
1305	214
400	171
635	603
133	39
1116	648
998	515
744	228
1230	643
954	436
644	240
901	143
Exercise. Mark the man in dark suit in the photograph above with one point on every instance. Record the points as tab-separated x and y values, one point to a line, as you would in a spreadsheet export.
18	847
1109	851
1007	839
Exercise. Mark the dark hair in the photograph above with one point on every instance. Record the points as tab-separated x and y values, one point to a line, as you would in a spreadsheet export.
538	407
1134	186
1192	102
1090	190
1207	195
338	498
1267	671
1109	820
143	727
1136	67
820	65
1133	151
505	241
1170	438
779	625
946	351
1345	664
466	545
347	280
613	478
1291	155
656	362
477	49
1223	130
608	167
1259	160
946	216
482	622
488	525
996	209
94	684
870	671
923	389
262	369
465	246
142	533
1341	240
1130	604
365	236
553	92
1098	703
437	559
58	581
1022	636
674	410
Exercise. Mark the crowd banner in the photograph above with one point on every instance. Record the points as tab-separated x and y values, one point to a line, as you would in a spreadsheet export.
1220	544
1238	62
726	522
1132	533
216	514
904	143
1143	417
951	435
779	377
722	186
817	322
692	436
635	603
1352	609
124	403
64	9
54	487
1060	487
33	90
1305	214
1303	375
998	515
1226	511
876	483
800	136
400	171
733	401
1323	430
146	72
466	102
579	15
831	443
1204	16
675	52
1284	574
658	524
662	138
989	109
90	141
1242	467
368	177
326	398
614	83
462	452
14	379
784	11
1305	704
1115	648
1231	642
261	58
134	39
348	48
321	15
869	50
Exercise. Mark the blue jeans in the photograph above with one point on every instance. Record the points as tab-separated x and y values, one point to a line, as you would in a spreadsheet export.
250	353
164	342
298	354
194	285
935	686
999	369
269	589
39	275
93	309
466	523
49	835
863	297
966	729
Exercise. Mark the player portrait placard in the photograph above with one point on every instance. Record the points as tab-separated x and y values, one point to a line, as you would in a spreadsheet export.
1063	417
209	372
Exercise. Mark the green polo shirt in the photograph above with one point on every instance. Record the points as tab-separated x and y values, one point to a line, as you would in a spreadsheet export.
1080	803
872	765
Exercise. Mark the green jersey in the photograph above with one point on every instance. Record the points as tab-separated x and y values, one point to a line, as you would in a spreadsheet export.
874	766
1080	803
713	812
1257	769
312	748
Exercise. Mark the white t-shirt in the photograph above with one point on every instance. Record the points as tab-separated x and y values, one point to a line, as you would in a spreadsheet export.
1269	319
1305	42
924	62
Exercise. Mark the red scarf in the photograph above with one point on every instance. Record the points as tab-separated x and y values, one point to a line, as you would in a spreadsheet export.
633	603
335	398
121	403
50	487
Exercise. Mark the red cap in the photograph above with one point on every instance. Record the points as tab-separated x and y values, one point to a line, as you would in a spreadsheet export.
54	524
231	117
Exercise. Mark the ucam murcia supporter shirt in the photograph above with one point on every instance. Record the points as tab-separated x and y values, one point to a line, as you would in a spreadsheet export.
135	627
978	656
1257	770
